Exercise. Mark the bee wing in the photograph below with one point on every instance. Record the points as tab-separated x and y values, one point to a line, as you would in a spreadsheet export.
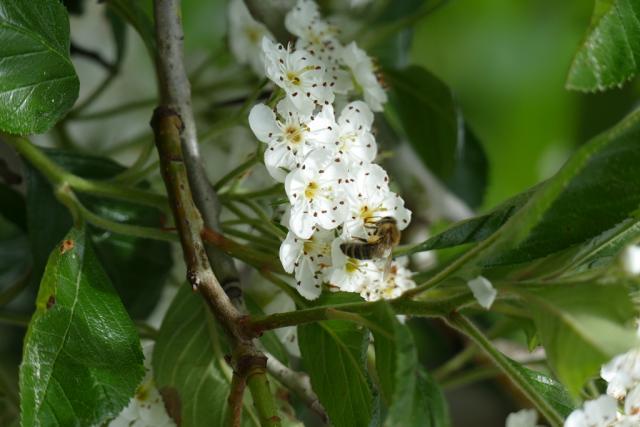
387	265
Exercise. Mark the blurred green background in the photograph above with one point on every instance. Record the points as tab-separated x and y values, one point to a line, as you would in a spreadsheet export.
507	62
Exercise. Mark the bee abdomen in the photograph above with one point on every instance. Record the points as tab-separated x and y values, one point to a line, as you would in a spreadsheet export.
359	250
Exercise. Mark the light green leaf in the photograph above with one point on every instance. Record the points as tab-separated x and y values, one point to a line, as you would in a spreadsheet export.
413	397
135	13
333	354
39	83
189	366
580	332
82	359
610	53
121	256
424	107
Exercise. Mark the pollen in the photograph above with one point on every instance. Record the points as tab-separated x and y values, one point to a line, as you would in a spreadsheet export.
311	190
352	265
293	78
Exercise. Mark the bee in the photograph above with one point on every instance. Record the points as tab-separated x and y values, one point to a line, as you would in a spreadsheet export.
384	238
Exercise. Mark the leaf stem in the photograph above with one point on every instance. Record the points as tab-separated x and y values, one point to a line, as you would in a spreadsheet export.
59	177
464	325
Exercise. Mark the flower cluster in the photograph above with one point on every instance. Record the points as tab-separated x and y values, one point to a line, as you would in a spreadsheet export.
320	144
620	407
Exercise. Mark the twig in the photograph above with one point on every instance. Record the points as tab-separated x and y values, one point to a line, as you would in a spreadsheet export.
175	92
297	382
234	412
92	55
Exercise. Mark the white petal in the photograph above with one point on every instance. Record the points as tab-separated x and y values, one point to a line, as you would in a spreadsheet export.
290	250
301	223
632	402
630	259
262	121
483	291
523	418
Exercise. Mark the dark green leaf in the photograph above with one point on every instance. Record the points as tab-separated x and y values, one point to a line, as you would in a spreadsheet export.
333	353
39	83
189	366
413	397
610	52
82	359
138	17
578	331
425	108
12	206
471	172
553	392
15	258
75	7
137	267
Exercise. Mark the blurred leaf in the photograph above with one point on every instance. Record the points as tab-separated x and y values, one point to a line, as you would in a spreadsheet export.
82	359
75	7
596	189
471	171
553	392
333	354
119	33
133	12
12	206
189	366
425	108
413	397
39	83
578	331
137	267
15	258
610	52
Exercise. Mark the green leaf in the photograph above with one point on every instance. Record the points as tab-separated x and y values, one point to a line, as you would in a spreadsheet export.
425	108
578	331
596	189
39	83
610	52
12	206
471	172
82	359
413	397
137	267
551	390
134	12
333	354
119	33
189	366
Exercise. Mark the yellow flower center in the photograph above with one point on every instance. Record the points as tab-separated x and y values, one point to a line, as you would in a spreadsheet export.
311	190
352	265
293	134
293	78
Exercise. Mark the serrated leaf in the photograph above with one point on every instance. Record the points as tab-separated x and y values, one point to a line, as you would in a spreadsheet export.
137	267
425	108
553	392
333	354
596	189
189	366
578	331
82	358
39	83
610	52
413	397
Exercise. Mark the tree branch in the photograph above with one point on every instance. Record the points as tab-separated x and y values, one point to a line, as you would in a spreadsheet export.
175	91
190	194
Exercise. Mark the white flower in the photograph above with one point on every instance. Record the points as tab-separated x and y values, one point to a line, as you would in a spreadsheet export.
353	143
369	199
245	36
316	195
363	71
301	75
632	402
483	291
522	418
622	373
630	259
289	136
354	275
397	280
601	412
146	408
309	259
